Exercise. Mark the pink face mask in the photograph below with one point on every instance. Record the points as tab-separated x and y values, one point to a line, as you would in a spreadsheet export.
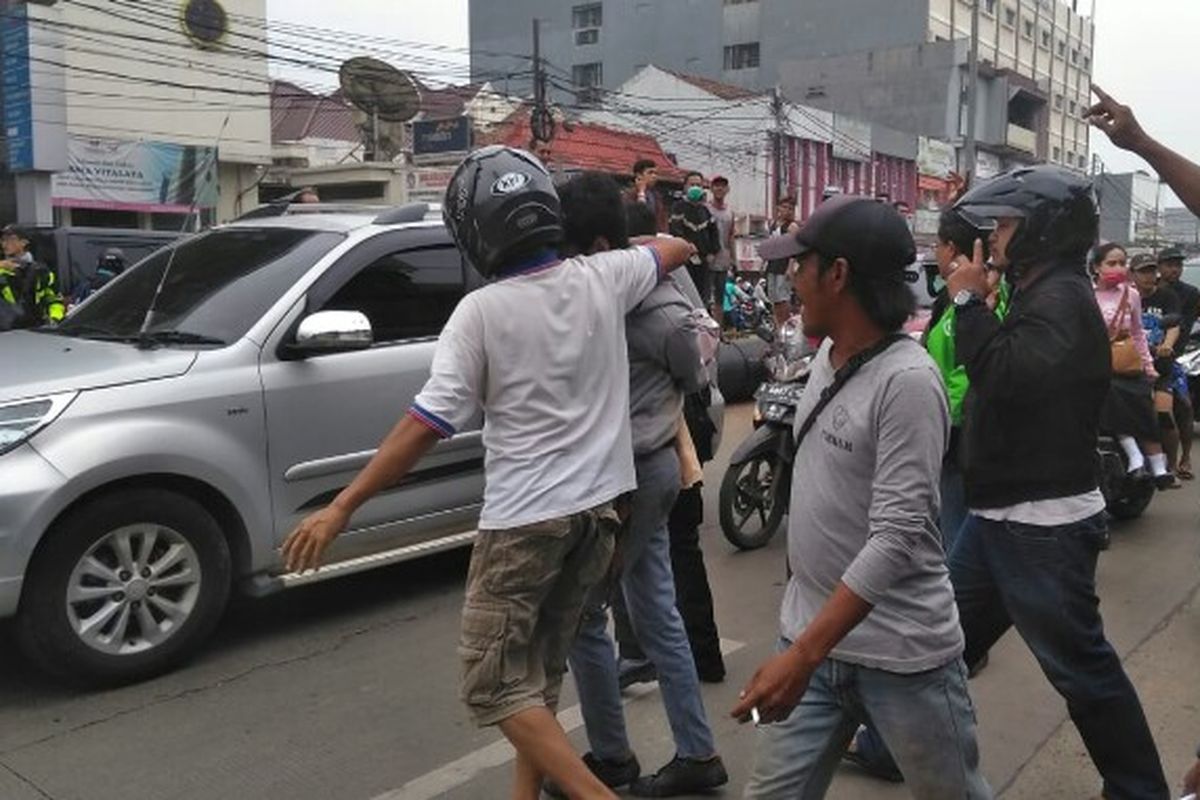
1112	278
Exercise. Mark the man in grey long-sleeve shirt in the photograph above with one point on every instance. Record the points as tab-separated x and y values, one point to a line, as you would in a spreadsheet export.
869	628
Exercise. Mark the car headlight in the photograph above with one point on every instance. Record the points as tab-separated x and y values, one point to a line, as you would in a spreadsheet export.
21	419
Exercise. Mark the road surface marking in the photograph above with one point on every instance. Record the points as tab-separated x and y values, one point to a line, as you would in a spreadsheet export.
464	770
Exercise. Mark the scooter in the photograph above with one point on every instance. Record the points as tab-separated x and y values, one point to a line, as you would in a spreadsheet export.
755	490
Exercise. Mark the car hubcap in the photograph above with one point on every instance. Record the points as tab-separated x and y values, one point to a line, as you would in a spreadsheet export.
133	589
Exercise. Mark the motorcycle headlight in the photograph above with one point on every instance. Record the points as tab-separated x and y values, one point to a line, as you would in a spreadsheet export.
20	420
794	353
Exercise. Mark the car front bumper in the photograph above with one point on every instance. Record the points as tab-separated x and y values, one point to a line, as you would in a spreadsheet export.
27	484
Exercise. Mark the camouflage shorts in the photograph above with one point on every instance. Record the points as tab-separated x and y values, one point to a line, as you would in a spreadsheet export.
525	593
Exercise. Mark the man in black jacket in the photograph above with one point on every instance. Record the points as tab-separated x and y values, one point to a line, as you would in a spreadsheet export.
1026	557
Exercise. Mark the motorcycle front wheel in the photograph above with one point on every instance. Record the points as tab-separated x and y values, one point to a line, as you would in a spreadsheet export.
749	509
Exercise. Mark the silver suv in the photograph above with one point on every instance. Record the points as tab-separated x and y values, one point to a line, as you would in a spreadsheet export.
158	445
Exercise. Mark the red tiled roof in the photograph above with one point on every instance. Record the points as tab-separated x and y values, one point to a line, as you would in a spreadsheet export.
298	114
725	91
590	147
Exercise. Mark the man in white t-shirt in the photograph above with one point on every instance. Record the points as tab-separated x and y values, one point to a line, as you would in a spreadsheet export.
541	352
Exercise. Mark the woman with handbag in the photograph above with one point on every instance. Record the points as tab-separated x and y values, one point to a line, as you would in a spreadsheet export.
1128	412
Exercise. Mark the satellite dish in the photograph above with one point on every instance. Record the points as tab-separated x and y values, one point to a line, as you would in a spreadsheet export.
386	98
380	89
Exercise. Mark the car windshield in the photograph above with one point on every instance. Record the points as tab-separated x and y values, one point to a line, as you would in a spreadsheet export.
219	284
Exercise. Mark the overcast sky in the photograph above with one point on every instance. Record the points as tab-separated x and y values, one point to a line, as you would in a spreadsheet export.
1147	55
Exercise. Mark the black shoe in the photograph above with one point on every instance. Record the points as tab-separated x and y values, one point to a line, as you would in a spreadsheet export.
1139	474
1166	481
631	672
613	774
682	776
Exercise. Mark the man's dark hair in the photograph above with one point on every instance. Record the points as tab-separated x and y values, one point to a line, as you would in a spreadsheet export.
641	165
953	229
640	220
592	207
693	174
886	299
720	180
786	199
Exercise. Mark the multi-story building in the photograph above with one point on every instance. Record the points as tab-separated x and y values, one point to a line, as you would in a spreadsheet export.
1129	208
1181	226
862	57
133	117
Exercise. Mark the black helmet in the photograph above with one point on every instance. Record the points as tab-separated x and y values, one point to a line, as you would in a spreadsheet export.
1057	209
501	203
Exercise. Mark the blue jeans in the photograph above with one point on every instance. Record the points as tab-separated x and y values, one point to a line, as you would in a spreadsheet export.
926	719
649	591
954	505
1042	580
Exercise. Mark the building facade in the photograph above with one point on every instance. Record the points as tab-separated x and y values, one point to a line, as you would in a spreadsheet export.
1036	57
134	117
1129	208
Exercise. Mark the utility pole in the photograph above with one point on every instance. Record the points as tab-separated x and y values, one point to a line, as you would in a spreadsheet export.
972	95
541	121
777	141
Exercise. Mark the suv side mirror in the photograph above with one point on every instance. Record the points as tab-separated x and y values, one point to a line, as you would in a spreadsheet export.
331	332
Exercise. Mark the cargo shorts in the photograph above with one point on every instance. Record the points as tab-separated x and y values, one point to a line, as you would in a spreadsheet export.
525	592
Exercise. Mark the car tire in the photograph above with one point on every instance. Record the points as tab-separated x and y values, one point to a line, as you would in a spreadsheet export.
125	587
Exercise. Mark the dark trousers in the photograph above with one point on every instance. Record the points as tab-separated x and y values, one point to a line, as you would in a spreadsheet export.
693	597
1042	581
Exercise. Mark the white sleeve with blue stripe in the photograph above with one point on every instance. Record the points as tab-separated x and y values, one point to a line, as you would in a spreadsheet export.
451	396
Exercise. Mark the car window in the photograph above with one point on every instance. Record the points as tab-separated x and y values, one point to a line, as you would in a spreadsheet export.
219	284
406	295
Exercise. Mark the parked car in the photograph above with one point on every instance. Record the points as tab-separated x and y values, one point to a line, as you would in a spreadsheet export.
153	458
74	252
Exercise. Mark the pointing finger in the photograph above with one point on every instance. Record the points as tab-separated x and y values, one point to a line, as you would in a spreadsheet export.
1104	96
978	255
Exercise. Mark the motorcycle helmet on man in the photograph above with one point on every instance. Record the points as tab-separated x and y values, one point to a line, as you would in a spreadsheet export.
1057	211
501	206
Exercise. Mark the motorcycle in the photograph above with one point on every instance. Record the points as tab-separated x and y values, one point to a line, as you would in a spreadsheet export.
754	491
1125	496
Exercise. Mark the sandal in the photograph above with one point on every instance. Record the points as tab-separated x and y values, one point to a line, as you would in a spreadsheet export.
1184	472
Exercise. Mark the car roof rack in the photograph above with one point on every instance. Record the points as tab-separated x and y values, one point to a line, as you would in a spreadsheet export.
409	212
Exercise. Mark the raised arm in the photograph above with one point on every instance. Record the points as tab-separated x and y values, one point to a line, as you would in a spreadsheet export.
1122	128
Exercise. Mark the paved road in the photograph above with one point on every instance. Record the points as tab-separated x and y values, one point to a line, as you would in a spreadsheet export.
346	690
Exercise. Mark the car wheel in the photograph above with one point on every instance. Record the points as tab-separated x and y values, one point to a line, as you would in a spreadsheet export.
124	588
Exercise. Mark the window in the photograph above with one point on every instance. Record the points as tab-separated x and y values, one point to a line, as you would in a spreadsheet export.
1071	107
1057	154
1010	17
1074	55
586	76
1087	62
589	36
741	56
989	7
587	16
406	295
1083	161
1058	100
1045	40
1062	49
1028	30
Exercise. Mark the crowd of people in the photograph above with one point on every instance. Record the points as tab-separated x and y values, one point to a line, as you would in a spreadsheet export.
944	491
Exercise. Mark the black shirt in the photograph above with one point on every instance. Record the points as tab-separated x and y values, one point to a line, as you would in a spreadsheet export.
1189	298
1163	302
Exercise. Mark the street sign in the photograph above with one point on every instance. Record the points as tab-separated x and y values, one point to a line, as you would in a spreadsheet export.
441	136
18	96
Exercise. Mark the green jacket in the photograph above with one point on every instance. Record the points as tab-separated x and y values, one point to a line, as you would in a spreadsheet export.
34	294
939	341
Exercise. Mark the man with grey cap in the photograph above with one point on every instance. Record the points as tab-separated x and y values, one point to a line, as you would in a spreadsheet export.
869	628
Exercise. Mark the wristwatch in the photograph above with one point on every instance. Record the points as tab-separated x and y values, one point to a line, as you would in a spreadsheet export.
966	297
